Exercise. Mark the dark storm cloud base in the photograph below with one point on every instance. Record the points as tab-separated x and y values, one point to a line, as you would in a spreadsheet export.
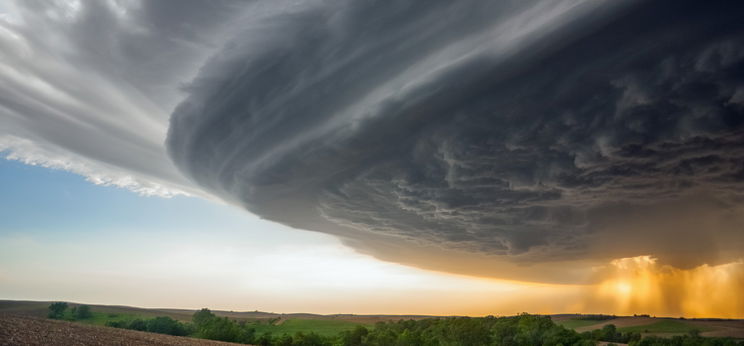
531	131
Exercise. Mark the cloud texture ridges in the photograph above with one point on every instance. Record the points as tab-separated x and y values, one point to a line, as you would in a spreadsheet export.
88	86
526	131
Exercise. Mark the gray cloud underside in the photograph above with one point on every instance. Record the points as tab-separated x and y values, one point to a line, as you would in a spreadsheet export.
88	86
524	131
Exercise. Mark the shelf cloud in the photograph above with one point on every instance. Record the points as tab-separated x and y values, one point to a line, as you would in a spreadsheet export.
531	140
524	132
88	86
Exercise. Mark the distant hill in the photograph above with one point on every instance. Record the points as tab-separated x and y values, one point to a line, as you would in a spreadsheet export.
262	322
39	309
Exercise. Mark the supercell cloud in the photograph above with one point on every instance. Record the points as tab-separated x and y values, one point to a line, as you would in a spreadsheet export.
525	132
88	86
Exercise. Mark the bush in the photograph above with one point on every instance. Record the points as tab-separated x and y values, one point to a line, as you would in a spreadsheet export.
201	317
209	326
137	324
310	339
117	324
220	328
82	312
165	325
57	310
354	337
160	324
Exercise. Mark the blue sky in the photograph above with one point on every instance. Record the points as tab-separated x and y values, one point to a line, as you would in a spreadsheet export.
64	238
53	201
53	204
56	203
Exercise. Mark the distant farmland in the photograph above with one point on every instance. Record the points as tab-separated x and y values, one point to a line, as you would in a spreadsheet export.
262	322
657	326
331	325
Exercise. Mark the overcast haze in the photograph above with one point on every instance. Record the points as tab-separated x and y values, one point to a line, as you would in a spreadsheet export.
518	142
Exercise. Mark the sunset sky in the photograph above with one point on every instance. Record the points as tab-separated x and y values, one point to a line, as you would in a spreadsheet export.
413	157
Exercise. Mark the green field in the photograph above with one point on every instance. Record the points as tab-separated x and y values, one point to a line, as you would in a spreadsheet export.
325	327
665	326
574	323
100	318
331	325
103	314
292	326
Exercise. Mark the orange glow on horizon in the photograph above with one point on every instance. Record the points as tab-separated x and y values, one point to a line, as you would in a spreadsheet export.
639	285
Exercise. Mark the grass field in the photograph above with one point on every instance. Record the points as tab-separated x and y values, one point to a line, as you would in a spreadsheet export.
100	318
278	324
100	312
292	326
665	326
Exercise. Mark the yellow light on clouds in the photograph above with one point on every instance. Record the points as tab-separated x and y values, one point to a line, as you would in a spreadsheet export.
641	285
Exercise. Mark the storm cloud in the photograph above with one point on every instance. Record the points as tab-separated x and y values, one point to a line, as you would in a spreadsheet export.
88	86
525	132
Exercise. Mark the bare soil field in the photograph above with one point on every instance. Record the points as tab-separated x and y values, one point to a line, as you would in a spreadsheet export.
710	328
27	330
732	329
619	322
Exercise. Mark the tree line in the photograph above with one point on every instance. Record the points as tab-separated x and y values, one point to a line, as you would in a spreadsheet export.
58	311
524	329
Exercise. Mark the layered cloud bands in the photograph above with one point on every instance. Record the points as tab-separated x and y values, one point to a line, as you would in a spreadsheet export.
88	86
522	133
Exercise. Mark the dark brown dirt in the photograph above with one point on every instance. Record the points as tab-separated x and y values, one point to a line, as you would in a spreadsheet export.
27	330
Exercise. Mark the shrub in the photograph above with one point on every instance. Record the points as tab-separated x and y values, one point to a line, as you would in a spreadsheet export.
165	325
82	312
137	324
117	324
201	317
57	310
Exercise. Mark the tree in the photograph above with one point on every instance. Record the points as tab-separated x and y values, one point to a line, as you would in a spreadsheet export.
165	325
220	328
138	324
309	339
201	317
354	337
57	310
82	312
264	340
284	340
608	333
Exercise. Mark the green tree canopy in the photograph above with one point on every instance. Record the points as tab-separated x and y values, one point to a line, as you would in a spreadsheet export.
82	312
202	317
57	310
